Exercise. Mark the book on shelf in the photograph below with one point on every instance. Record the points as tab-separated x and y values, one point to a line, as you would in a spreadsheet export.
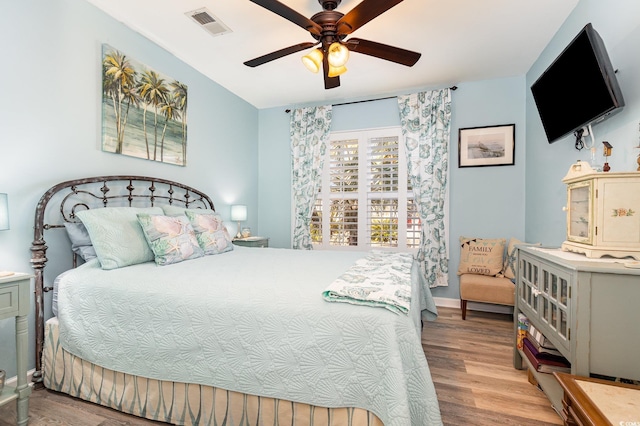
539	338
542	349
523	326
545	363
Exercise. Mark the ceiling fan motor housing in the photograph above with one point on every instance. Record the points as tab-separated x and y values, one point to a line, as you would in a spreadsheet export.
328	19
329	4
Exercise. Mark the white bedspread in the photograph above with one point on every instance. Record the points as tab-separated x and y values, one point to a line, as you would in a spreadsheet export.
253	321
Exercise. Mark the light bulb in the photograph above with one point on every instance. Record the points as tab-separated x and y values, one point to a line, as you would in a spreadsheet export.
338	54
313	60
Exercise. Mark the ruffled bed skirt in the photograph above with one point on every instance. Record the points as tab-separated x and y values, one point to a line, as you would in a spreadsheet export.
180	403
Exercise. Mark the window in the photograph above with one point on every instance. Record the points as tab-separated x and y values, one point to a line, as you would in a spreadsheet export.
365	200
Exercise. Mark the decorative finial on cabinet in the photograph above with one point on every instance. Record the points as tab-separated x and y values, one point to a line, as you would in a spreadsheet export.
606	153
579	168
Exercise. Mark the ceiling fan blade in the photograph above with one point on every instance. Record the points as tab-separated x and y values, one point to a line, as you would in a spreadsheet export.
279	54
329	82
383	51
290	14
363	13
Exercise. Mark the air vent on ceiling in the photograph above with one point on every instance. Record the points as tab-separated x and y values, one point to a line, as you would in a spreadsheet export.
208	21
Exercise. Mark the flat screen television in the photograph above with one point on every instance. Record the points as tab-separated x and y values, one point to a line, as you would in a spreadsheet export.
579	88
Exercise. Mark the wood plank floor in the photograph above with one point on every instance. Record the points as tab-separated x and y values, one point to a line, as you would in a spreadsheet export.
471	366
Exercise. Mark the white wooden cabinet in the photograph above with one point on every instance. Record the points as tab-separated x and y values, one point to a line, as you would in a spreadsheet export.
15	303
588	308
603	212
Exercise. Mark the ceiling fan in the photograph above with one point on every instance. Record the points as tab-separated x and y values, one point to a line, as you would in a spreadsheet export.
330	28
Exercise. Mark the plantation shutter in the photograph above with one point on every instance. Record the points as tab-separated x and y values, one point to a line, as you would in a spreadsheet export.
382	195
365	194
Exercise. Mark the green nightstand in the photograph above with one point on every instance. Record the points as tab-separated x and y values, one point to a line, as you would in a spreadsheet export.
252	242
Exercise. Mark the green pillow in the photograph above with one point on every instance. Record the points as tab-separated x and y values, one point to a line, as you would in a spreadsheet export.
117	236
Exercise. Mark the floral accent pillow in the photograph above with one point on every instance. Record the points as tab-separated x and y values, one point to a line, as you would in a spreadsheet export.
212	235
481	256
172	239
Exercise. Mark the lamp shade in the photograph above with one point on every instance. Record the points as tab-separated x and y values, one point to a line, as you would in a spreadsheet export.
336	71
4	212
313	60
338	54
239	212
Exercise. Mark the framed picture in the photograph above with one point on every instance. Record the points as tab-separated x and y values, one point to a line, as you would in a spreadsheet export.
144	112
487	146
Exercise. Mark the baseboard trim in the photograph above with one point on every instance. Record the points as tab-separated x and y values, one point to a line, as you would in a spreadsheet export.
473	306
13	380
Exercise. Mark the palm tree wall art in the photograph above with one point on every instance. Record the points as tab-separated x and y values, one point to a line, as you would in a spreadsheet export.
144	113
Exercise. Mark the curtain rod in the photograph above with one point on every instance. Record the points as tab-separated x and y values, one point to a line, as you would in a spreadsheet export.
367	100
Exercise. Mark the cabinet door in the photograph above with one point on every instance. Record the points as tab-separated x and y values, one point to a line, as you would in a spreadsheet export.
554	301
618	212
580	212
528	289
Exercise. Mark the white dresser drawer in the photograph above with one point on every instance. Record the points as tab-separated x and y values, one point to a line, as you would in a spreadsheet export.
9	301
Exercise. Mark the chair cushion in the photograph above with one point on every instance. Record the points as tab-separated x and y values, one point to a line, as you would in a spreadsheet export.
483	288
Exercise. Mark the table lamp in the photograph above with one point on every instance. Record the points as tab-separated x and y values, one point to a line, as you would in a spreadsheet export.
238	214
4	222
4	212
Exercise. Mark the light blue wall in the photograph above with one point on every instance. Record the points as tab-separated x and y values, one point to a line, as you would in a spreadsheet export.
485	201
618	23
50	121
274	169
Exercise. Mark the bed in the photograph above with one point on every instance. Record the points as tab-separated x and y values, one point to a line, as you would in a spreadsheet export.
227	335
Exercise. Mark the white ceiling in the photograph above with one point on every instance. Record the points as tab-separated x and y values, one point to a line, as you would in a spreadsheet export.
460	41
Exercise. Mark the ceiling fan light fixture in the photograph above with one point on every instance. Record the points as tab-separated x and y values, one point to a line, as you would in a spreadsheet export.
313	60
338	54
336	71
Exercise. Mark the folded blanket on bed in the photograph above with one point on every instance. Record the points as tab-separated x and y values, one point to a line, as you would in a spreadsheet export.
381	279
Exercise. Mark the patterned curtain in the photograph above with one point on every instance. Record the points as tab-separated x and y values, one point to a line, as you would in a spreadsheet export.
309	134
426	124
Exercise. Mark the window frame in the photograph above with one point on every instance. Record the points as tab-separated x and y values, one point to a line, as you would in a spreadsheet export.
363	193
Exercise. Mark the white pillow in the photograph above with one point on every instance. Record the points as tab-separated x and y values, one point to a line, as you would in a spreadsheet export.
117	236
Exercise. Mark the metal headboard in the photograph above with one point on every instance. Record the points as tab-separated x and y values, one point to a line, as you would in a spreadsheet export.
101	191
